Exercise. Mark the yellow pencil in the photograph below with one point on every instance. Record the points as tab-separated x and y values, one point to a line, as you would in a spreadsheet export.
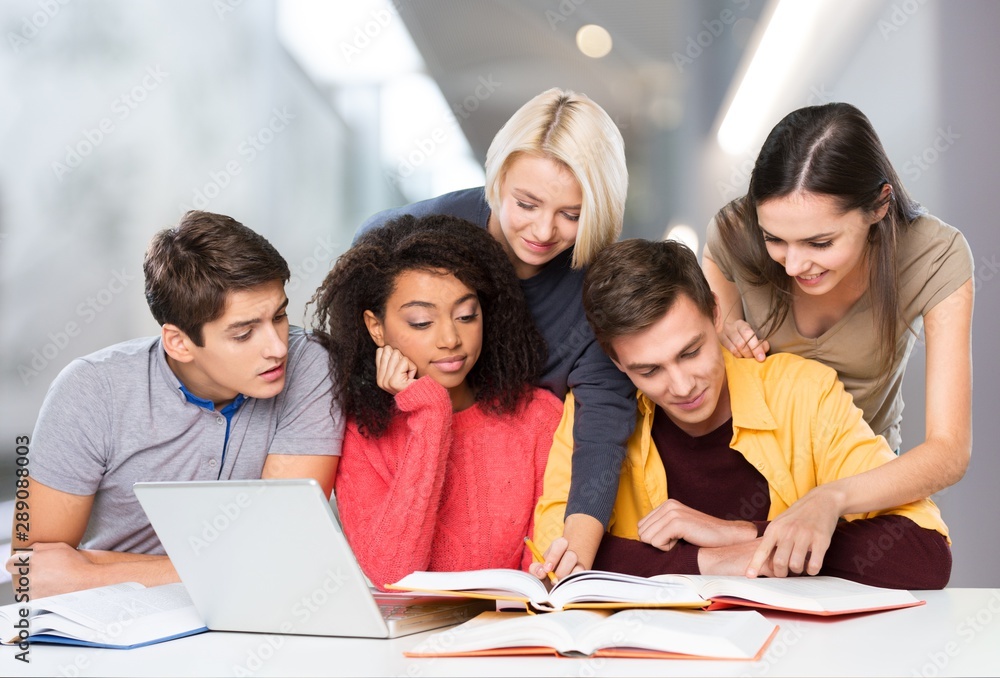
538	557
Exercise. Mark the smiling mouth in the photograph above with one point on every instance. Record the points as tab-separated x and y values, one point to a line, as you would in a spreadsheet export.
692	404
538	246
811	279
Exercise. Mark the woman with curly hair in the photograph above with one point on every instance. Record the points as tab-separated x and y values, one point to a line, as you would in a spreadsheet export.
556	181
433	353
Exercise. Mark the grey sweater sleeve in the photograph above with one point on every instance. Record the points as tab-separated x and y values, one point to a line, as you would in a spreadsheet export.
605	398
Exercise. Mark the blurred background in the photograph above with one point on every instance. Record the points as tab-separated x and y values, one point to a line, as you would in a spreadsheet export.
300	118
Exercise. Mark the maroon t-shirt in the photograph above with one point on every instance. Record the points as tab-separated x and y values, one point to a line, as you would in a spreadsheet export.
705	474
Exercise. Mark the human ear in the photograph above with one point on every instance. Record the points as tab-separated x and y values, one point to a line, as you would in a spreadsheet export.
374	326
176	343
717	313
885	201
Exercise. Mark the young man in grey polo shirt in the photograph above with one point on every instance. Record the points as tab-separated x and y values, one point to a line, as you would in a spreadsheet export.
227	391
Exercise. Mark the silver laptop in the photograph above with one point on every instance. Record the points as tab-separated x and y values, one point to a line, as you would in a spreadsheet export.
269	556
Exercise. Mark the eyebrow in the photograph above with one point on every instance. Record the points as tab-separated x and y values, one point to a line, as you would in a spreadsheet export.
818	236
426	304
532	196
239	324
687	347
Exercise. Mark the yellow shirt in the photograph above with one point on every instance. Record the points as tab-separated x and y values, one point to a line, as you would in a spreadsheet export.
792	419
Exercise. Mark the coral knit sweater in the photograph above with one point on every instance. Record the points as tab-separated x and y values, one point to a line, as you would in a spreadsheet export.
442	490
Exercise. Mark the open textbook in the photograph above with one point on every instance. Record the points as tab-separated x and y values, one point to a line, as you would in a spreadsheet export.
598	589
660	634
118	616
587	589
819	595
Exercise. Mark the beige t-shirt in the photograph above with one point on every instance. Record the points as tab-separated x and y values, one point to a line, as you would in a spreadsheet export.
934	261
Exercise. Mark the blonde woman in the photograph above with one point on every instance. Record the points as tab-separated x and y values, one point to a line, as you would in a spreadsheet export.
555	196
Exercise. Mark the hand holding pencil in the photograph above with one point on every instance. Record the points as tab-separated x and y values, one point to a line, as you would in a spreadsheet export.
539	558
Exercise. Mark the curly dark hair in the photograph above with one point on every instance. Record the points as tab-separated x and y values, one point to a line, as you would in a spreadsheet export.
364	277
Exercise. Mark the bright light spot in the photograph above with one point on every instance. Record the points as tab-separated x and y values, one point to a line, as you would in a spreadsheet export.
361	41
684	234
363	46
781	51
593	40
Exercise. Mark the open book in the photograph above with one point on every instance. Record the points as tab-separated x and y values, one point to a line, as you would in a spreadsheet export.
587	589
118	616
598	589
658	634
819	595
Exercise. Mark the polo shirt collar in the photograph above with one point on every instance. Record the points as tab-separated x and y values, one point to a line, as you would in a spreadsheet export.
183	394
209	405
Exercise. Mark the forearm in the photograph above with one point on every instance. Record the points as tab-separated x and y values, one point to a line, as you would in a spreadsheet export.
148	570
55	568
630	556
730	300
594	484
890	551
584	535
928	468
390	519
604	419
108	557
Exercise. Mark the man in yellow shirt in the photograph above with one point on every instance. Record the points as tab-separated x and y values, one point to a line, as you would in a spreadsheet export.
737	441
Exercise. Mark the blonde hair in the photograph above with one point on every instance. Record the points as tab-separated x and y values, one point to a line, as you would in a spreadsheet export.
574	131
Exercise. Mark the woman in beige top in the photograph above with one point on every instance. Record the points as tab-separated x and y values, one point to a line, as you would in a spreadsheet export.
828	257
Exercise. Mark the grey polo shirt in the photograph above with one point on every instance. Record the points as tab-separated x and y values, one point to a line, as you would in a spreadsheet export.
118	416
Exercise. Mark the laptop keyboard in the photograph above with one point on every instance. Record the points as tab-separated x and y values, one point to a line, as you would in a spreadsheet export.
394	612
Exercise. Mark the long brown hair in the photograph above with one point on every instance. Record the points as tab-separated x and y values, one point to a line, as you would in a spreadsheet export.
828	150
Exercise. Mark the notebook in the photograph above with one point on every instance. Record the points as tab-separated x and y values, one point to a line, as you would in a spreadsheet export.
270	556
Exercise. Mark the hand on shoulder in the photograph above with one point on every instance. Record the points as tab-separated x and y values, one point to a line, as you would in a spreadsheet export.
742	341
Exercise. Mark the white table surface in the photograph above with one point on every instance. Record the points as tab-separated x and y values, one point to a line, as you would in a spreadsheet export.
957	633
